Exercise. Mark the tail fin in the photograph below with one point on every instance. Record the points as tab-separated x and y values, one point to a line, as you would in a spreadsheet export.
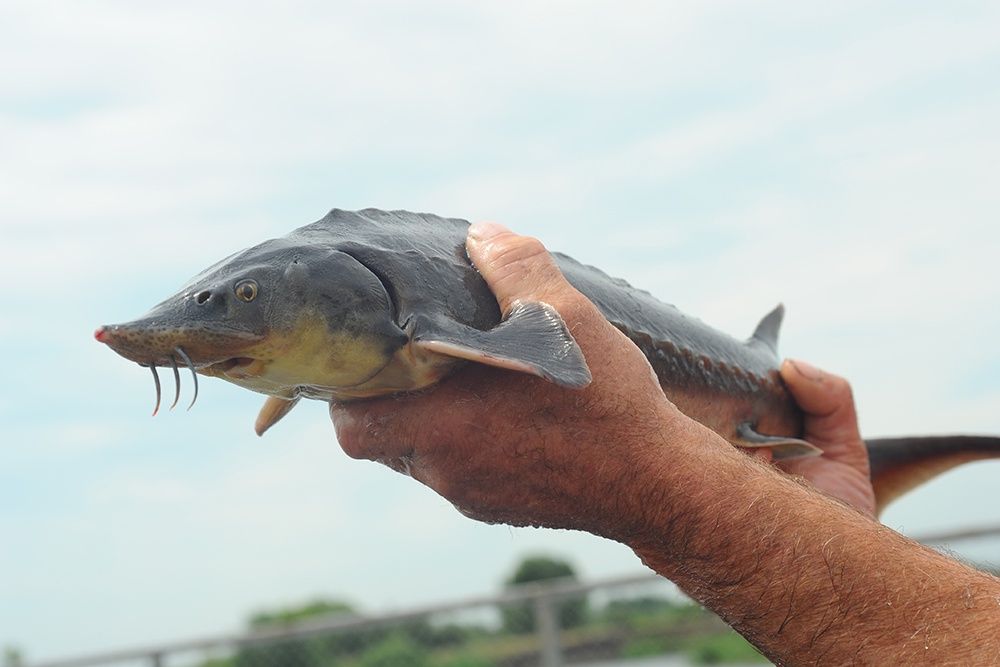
901	464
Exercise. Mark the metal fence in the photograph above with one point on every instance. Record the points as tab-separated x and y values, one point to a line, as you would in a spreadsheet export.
548	624
560	622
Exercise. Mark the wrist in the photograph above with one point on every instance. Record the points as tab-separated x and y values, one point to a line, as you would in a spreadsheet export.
664	485
705	487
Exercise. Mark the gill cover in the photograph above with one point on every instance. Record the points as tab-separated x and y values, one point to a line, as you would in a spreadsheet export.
332	325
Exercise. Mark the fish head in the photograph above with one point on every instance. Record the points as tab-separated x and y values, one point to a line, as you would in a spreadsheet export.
282	318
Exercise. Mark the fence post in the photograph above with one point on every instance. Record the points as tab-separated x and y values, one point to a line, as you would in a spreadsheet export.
547	624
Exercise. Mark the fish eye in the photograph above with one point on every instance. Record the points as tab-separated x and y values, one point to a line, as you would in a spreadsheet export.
246	290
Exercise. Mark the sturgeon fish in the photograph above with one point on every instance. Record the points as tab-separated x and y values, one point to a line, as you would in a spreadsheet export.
368	303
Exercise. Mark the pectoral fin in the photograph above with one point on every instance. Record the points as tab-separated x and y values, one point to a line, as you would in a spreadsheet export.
532	339
783	448
274	409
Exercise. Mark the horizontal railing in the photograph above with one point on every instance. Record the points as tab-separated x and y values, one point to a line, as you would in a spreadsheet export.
542	595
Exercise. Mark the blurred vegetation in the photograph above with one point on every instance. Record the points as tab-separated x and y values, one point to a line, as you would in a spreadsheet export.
520	618
722	649
12	657
314	609
396	650
622	628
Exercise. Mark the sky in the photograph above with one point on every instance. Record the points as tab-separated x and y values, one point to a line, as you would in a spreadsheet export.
839	157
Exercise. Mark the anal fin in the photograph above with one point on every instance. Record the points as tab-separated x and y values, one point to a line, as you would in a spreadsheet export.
782	447
272	411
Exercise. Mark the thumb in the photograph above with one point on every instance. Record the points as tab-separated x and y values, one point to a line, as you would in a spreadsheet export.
827	401
516	267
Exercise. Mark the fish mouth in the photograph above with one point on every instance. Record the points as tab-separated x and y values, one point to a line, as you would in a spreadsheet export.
167	347
235	368
224	367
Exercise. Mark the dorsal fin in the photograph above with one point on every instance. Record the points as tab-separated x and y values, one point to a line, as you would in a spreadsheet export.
766	333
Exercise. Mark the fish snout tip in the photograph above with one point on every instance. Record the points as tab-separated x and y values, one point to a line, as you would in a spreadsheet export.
101	334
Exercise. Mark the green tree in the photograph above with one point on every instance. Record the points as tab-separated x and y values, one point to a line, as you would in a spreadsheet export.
314	609
520	618
314	651
12	657
397	650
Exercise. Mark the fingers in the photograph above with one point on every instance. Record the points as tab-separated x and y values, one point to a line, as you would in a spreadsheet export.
831	423
517	267
827	401
352	426
399	428
373	430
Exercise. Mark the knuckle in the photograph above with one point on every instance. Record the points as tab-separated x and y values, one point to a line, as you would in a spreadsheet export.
356	445
473	513
841	389
401	464
577	309
354	433
446	488
353	446
453	487
518	257
512	249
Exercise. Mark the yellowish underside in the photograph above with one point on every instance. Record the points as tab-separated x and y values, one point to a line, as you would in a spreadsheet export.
310	360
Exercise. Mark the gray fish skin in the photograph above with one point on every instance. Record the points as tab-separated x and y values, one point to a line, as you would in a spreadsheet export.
712	377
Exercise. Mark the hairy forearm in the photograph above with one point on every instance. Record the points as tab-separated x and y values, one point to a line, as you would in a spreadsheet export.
806	579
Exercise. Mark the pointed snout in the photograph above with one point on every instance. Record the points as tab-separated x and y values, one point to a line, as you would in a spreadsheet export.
155	343
146	343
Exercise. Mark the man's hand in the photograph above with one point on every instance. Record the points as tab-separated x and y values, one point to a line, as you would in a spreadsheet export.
505	447
831	424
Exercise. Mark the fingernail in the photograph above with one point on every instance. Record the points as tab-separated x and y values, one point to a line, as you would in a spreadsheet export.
484	231
806	370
